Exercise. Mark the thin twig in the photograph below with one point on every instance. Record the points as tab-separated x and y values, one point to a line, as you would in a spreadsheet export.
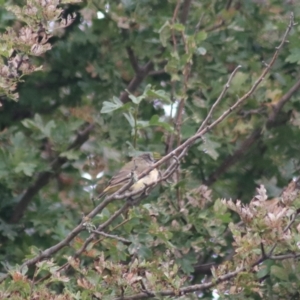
184	290
65	242
112	236
225	88
87	242
175	13
208	285
190	141
285	256
184	146
230	160
181	150
284	231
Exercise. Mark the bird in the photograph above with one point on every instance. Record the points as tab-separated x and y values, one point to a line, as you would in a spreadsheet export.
135	167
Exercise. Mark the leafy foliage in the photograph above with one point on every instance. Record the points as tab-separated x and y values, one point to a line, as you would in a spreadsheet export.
99	81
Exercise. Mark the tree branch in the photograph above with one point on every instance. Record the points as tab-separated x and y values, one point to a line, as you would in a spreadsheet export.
44	177
285	256
279	105
112	236
180	150
190	141
225	88
133	60
254	136
185	11
184	290
215	281
136	81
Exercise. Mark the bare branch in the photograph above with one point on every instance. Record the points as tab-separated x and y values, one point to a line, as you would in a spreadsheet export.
254	136
190	141
184	290
111	236
226	87
180	151
101	227
214	282
175	13
285	256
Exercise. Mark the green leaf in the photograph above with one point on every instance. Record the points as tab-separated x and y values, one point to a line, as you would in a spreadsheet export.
144	252
173	66
70	154
188	130
178	27
26	168
209	147
37	124
142	124
201	51
165	34
219	207
280	273
263	271
186	265
136	100
47	129
38	120
159	94
109	107
29	124
18	140
155	121
294	57
8	230
200	36
238	81
4	169
130	119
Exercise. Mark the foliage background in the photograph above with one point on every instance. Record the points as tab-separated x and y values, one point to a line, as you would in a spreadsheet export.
176	54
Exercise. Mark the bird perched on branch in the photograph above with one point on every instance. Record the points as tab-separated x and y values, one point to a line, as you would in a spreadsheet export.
132	170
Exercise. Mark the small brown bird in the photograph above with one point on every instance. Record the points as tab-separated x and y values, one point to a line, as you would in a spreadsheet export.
136	166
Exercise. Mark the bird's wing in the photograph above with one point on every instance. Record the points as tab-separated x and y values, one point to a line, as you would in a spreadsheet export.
121	176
